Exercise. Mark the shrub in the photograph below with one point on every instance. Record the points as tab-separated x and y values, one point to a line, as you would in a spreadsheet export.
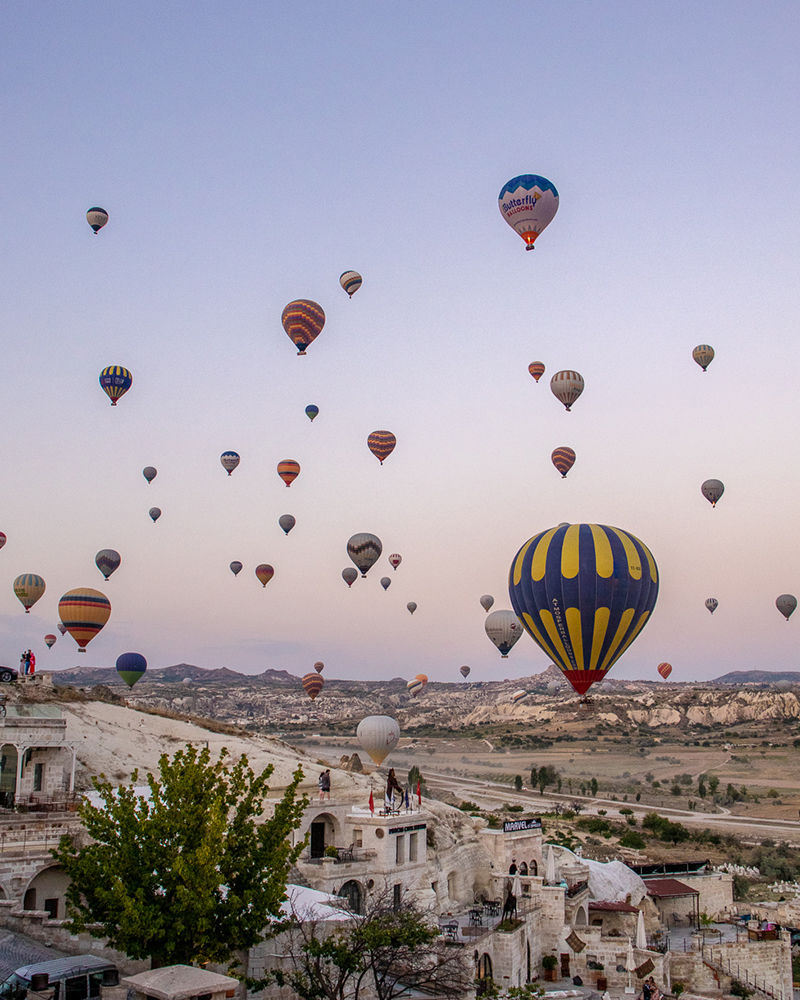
632	839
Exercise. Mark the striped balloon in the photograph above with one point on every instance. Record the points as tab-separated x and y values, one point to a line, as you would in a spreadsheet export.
313	684
351	282
50	640
29	588
97	218
84	612
712	604
303	321
395	559
265	573
3	539
107	561
319	666
566	386
703	354
563	459
583	593
115	381
536	368
518	696
665	669
62	628
288	470
381	444
365	550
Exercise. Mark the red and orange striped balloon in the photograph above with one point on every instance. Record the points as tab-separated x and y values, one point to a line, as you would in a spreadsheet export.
665	669
265	573
313	684
288	470
303	321
84	612
381	444
536	368
563	459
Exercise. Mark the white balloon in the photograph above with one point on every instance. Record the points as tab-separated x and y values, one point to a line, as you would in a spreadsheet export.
504	629
378	735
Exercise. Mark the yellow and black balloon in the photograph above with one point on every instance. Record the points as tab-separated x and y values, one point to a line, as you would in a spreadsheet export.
583	592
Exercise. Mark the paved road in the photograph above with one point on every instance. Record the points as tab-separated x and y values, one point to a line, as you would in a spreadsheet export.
17	950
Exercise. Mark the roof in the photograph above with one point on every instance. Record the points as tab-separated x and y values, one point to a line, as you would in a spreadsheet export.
665	870
58	966
179	982
666	887
304	903
608	907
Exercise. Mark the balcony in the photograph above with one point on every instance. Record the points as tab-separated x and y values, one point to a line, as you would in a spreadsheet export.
344	856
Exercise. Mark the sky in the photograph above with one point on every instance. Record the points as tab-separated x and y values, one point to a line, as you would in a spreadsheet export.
250	153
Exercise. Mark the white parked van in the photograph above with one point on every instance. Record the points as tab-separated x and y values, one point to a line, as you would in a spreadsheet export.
77	978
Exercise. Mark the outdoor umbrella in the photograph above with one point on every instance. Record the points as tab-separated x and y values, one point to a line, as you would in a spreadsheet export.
641	936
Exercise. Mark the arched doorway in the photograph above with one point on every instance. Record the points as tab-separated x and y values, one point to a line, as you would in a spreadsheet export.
580	916
534	869
351	891
47	891
324	831
483	974
523	868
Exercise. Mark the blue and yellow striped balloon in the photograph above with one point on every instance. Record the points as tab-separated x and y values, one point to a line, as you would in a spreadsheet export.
115	381
583	592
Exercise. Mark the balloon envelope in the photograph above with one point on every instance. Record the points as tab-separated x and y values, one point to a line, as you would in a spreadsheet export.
518	696
712	604
537	369
350	282
28	588
115	381
319	666
528	203
236	567
381	444
786	604
563	459
107	561
566	386
412	607
287	522
487	601
504	629
312	411
303	321
288	470
130	667
349	575
149	473
155	513
3	539
703	354
50	640
61	628
378	736
712	490
229	460
386	582
365	550
465	671
312	684
395	560
265	573
84	612
97	218
665	669
583	593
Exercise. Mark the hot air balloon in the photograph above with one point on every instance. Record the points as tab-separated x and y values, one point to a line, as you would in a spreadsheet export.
303	321
350	282
528	203
3	539
386	582
378	736
563	459
288	470
517	696
504	629
107	561
84	612
130	667
229	460
61	628
349	575
395	560
236	567
553	688
537	369
487	601
312	411
97	218
365	550
155	513
381	444
28	588
712	604
665	669
465	672
412	607
566	386
786	604
313	684
319	666
287	522
115	381
265	573
703	354
149	473
417	685
712	490
583	593
50	640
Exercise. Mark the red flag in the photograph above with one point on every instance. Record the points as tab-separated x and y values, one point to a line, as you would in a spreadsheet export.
371	802
419	792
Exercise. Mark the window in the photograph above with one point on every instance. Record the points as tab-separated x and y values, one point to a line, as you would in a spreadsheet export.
412	846
76	988
51	905
451	885
358	838
400	850
95	982
38	776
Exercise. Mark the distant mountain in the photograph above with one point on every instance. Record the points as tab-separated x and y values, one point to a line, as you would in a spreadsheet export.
83	676
758	677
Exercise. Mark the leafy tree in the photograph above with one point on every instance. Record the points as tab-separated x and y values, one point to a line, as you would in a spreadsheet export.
632	839
713	784
547	776
534	776
675	789
518	782
191	875
702	791
415	776
594	786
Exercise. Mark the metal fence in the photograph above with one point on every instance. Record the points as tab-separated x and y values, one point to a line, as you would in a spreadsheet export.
736	971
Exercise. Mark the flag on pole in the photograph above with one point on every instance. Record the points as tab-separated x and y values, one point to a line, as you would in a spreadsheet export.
407	802
419	792
371	802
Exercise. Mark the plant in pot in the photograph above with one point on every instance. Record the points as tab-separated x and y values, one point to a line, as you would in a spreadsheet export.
331	852
549	963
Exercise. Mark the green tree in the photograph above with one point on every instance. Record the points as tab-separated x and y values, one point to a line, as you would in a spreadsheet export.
594	786
702	791
518	782
534	776
713	784
415	776
190	875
